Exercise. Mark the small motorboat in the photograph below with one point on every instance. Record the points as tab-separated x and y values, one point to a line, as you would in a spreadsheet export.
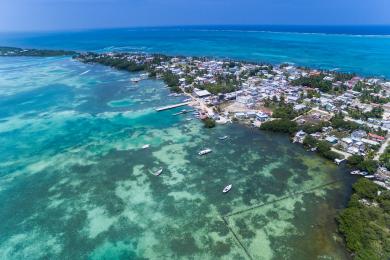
157	173
146	146
205	151
227	188
223	137
135	80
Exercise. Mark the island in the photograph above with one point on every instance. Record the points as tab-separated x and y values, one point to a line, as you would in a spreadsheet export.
341	116
12	51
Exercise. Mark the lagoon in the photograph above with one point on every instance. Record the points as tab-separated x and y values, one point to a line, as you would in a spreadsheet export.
75	183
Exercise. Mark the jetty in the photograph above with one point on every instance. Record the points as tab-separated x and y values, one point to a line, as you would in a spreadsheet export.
172	106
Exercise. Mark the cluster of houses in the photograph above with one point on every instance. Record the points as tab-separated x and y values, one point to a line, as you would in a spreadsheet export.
257	84
357	143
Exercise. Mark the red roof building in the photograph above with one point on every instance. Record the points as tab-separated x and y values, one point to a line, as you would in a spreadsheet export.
376	137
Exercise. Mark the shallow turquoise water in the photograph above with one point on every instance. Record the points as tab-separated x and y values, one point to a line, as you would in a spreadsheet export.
362	54
75	183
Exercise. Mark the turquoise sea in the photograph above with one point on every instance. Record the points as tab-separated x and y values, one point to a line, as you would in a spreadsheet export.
361	49
75	183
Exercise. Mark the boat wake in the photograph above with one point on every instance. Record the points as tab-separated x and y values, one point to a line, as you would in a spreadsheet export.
85	72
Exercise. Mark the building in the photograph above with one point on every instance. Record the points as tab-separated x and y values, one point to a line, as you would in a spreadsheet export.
262	117
299	107
300	136
244	99
201	93
358	135
331	139
375	137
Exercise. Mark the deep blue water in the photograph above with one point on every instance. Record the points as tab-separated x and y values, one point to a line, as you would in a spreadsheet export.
360	49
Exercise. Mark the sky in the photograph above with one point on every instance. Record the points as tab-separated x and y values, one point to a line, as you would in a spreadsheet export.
33	15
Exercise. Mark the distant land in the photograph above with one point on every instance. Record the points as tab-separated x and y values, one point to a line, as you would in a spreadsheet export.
321	47
12	51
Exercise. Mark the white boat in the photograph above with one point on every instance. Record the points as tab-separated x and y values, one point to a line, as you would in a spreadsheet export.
357	172
144	75
146	146
135	80
223	137
157	173
205	151
227	188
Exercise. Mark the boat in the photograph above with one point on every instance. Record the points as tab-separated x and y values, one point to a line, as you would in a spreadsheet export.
184	111
144	75
205	151
223	137
135	80
146	146
357	172
227	188
369	176
157	173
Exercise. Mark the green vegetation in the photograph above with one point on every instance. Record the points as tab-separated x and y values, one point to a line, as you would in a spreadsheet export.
384	159
284	111
209	122
359	86
365	223
10	51
360	163
280	125
370	94
172	81
340	76
338	122
222	87
322	147
309	142
313	128
357	113
118	62
314	82
313	93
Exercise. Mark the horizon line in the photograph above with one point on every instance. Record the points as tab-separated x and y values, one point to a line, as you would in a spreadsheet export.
183	26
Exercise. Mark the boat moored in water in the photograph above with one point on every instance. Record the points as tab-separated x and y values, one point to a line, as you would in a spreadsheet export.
135	80
157	173
146	146
223	137
205	151
227	188
357	172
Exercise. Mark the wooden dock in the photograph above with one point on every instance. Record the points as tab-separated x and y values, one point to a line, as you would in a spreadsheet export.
172	106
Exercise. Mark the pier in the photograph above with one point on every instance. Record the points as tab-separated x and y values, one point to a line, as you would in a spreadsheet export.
172	106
